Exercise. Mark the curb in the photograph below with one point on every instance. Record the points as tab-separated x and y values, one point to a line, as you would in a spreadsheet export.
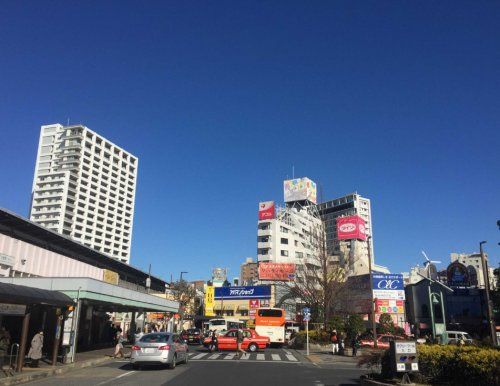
23	378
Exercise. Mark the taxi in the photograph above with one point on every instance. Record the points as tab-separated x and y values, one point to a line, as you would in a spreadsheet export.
229	341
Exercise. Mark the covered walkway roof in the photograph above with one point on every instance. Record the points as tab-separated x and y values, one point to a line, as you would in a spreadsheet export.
113	298
20	294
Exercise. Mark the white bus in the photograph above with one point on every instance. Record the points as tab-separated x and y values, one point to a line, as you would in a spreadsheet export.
220	324
270	322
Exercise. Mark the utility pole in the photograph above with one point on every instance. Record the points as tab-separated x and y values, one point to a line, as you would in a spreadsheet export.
373	301
486	278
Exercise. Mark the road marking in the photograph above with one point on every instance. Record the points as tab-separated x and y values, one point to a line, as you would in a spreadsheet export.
230	356
245	356
115	378
291	358
199	356
261	357
288	352
276	357
191	354
214	356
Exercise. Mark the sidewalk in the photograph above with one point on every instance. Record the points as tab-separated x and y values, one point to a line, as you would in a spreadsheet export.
82	360
325	356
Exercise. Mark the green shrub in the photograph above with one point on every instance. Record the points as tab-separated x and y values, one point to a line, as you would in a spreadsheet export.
460	365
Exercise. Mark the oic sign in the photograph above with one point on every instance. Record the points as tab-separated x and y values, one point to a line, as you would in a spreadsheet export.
388	287
351	228
277	271
266	210
457	275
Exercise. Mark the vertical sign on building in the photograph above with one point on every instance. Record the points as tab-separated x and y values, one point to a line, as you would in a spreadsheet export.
209	301
351	228
266	210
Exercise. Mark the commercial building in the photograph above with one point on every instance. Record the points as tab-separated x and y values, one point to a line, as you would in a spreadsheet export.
474	265
249	272
84	188
351	254
290	234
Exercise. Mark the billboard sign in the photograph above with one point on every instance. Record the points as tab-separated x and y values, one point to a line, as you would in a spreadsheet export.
388	286
351	228
300	189
209	301
457	275
218	276
266	210
277	271
248	292
385	306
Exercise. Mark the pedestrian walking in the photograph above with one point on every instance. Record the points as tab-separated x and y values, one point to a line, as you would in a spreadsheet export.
335	342
341	344
213	343
4	345
239	338
35	352
119	346
355	345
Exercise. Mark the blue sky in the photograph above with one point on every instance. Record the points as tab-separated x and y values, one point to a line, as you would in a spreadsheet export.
396	100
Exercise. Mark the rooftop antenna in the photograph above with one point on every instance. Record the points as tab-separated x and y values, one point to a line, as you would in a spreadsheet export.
68	122
293	172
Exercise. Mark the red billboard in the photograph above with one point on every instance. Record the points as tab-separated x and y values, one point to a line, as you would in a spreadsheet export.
276	271
266	210
350	228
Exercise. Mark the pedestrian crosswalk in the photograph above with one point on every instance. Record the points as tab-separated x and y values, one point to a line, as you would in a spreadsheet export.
285	356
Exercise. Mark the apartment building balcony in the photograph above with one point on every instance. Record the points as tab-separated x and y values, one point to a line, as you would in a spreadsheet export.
264	258
47	211
264	244
264	232
49	188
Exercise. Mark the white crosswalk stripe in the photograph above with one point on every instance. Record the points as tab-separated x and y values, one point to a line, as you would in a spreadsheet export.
284	356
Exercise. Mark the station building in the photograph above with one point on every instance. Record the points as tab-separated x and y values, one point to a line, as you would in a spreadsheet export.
49	282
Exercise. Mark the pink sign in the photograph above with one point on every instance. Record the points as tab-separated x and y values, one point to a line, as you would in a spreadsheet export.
351	228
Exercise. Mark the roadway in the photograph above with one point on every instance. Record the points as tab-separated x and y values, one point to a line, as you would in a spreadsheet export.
267	367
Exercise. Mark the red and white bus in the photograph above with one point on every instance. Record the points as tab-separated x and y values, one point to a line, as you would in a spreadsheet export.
270	322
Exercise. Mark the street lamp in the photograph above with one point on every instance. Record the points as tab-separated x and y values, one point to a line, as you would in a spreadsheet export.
182	273
374	323
486	278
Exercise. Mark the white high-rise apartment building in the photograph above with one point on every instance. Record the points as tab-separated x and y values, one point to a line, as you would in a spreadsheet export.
84	187
289	238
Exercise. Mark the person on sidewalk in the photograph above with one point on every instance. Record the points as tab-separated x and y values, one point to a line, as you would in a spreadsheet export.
335	342
35	352
119	346
355	345
4	346
239	339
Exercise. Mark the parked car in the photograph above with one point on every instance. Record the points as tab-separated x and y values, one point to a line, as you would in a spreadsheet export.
159	348
251	340
383	341
192	335
453	337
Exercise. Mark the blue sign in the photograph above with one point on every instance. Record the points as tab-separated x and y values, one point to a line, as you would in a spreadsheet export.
306	310
388	282
250	292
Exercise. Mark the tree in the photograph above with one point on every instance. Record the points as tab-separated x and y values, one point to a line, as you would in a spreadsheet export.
318	283
184	293
354	325
386	324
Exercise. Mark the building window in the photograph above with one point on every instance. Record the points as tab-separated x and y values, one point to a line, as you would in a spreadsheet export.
264	226
296	243
283	229
284	240
244	312
284	252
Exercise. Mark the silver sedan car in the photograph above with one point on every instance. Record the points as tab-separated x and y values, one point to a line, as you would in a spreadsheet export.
159	348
